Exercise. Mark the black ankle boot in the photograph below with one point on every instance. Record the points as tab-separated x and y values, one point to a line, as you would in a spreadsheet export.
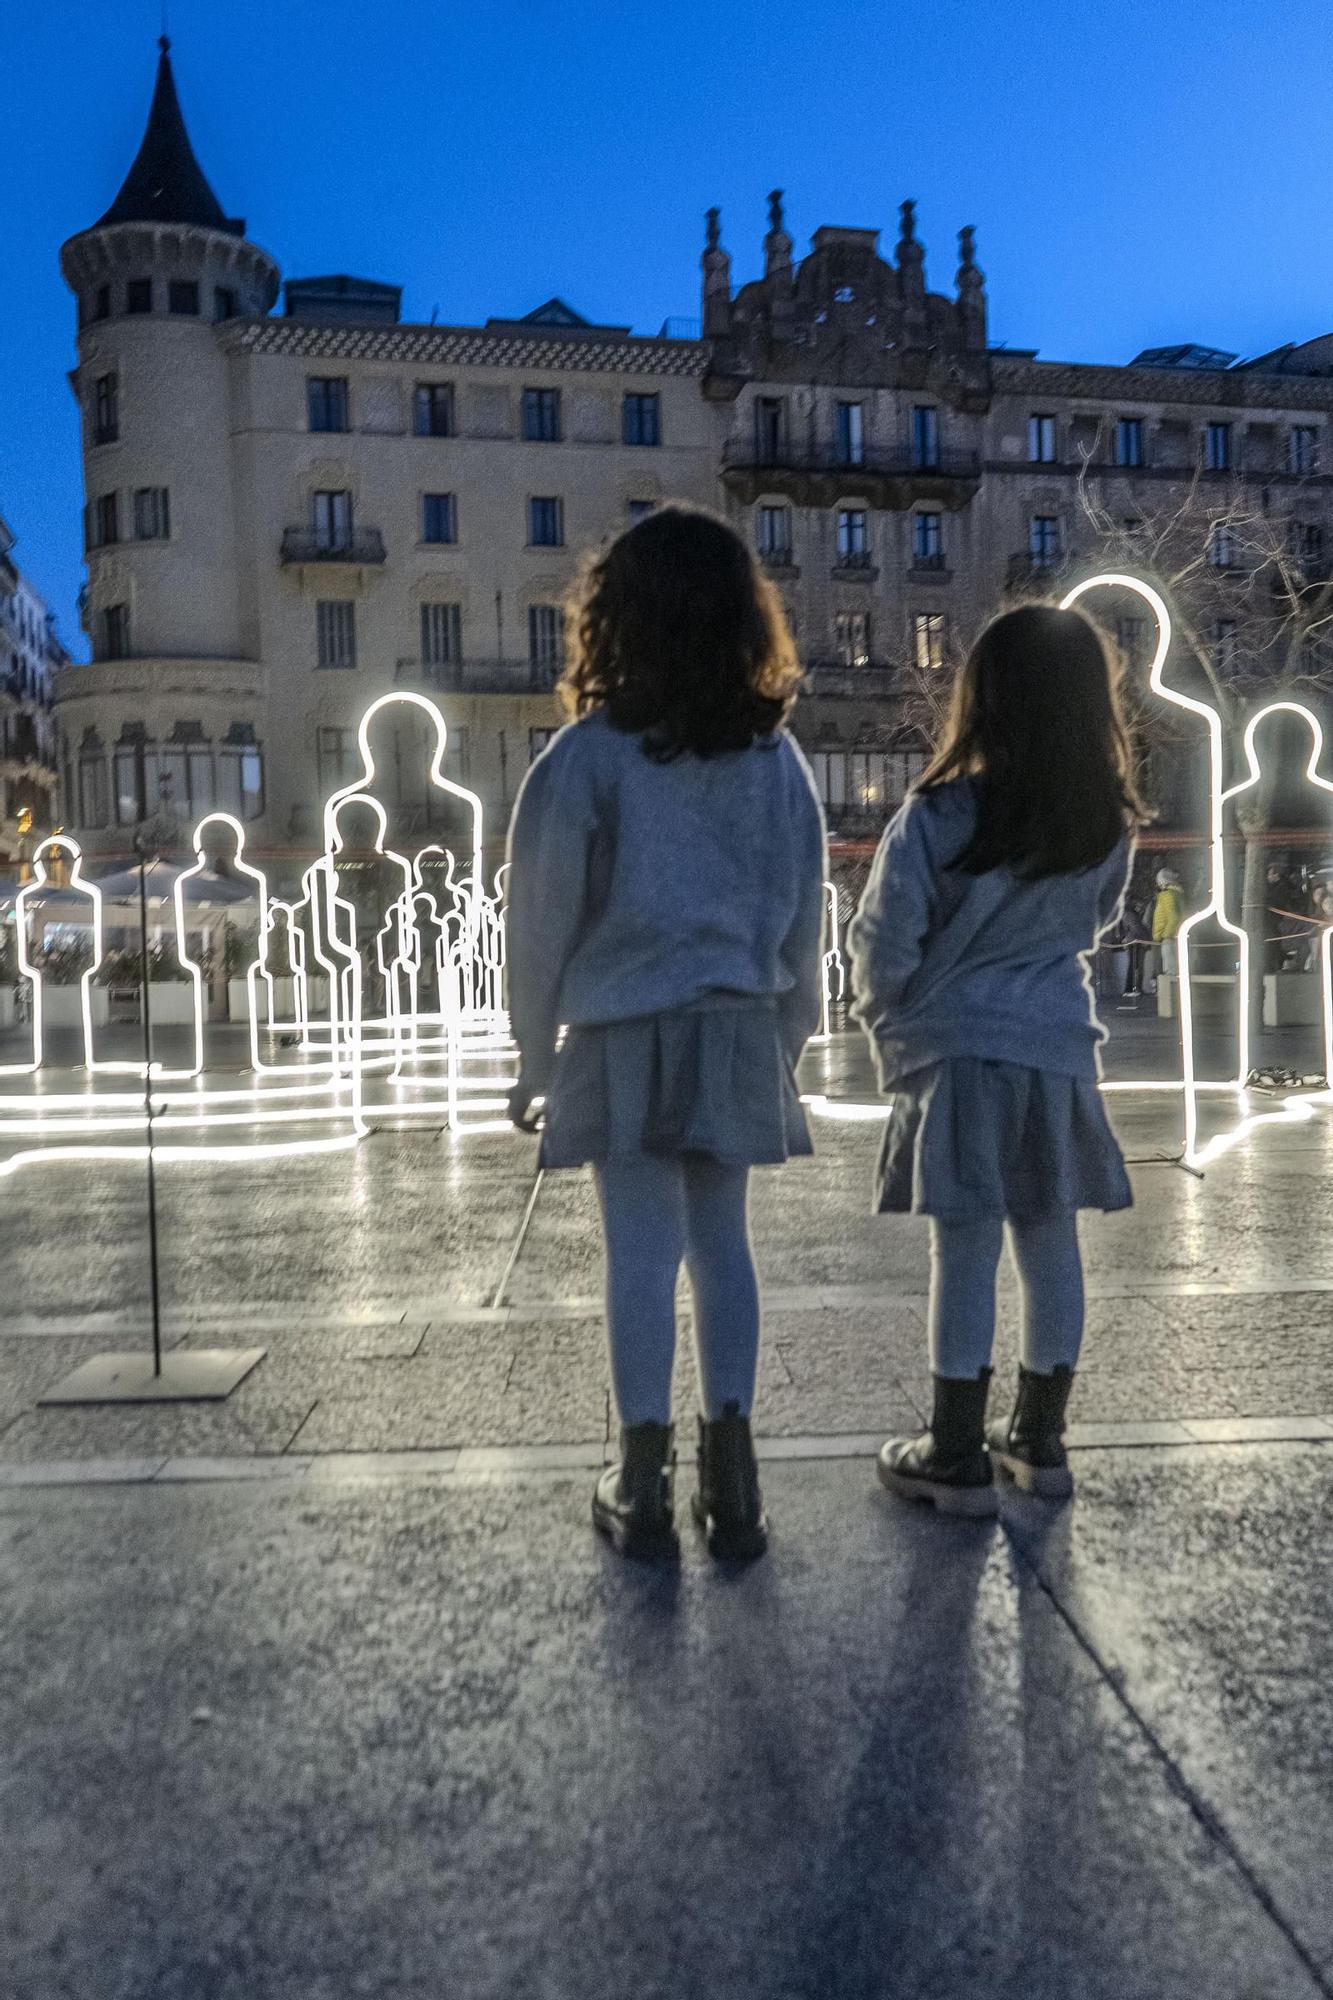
1029	1449
728	1505
632	1504
948	1464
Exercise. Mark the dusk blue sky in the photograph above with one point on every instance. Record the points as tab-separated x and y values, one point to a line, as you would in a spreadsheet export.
1141	172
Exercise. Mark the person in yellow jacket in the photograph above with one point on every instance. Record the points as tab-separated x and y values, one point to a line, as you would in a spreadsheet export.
1167	916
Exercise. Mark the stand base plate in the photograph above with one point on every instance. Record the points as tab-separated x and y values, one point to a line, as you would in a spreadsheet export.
189	1375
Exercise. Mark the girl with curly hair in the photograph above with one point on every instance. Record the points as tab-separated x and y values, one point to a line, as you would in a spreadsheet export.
666	907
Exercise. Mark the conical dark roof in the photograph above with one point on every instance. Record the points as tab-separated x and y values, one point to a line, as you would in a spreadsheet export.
166	182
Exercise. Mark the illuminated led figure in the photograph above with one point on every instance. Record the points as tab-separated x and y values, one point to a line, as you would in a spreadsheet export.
1299	1105
834	984
55	843
1313	777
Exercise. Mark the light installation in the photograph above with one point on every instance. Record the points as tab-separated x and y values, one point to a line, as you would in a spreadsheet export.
437	1049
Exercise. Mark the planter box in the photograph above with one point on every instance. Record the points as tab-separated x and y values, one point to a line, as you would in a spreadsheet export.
171	1002
62	1006
1211	992
284	995
1292	999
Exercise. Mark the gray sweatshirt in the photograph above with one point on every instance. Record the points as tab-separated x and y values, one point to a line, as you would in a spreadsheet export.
637	886
946	964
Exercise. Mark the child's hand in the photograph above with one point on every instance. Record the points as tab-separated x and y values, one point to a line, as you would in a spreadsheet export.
525	1108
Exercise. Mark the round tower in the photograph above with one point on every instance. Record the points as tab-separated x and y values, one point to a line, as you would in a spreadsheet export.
155	277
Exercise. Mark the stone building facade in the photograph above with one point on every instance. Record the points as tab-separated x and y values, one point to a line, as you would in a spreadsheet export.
288	515
30	655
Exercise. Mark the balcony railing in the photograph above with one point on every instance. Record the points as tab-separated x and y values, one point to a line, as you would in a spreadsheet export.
1036	568
756	455
854	559
837	680
359	545
480	676
933	563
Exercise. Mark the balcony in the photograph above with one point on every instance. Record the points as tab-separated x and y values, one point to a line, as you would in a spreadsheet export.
358	549
819	475
855	566
930	569
513	677
1027	571
836	680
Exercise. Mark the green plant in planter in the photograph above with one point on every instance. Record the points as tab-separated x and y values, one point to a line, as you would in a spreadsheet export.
240	950
65	962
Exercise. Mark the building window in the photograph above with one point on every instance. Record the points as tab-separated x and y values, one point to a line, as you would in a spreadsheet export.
1129	441
641	420
326	402
1306	541
439	517
851	638
1221	546
94	803
928	541
335	633
1041	440
183	297
1044	540
224	302
441	635
770	414
102	302
541	416
639	510
1303	448
338	756
115	632
538	740
1129	639
546	523
139	295
1217	447
104	521
241	773
865	781
152	514
850	433
853	548
1223	641
106	409
433	410
546	635
925	436
331	520
774	535
928	640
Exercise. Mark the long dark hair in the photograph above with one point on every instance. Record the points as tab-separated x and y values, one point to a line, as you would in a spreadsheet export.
1037	726
674	633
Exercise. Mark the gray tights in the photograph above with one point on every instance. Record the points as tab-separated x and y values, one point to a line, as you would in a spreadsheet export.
964	1260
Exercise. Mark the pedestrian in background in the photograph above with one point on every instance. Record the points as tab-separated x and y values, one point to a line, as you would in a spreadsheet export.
969	973
1168	914
666	902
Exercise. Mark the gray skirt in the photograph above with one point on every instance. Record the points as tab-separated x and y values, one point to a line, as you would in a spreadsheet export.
968	1139
710	1078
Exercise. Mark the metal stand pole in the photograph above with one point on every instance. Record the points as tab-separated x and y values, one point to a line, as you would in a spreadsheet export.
153	1277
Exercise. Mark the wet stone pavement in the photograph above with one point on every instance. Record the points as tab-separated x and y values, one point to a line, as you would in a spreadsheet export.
328	1690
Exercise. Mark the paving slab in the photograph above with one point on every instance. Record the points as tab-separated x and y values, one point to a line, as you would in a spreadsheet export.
1202	1580
407	1738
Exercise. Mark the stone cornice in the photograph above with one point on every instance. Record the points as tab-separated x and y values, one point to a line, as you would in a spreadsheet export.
465	346
1233	388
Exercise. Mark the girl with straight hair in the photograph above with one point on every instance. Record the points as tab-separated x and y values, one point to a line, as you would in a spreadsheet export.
969	974
666	904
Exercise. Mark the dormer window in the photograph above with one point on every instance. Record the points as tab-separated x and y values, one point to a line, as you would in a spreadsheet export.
139	295
844	295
